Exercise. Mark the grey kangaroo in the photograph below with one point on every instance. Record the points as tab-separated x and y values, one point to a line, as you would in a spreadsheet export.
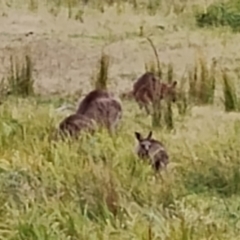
97	108
152	150
147	88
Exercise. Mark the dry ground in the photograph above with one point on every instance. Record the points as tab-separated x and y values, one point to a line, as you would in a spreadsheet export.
66	51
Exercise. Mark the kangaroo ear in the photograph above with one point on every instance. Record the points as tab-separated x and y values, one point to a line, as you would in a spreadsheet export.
149	135
174	84
138	136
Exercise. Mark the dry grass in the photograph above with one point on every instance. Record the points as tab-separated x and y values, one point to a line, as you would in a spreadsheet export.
67	50
97	188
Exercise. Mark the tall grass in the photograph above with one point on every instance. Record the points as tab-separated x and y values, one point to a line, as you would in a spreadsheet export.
183	103
168	116
231	100
202	80
156	69
152	7
20	77
98	189
101	74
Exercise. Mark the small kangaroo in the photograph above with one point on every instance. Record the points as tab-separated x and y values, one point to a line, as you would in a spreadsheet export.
147	88
98	107
152	150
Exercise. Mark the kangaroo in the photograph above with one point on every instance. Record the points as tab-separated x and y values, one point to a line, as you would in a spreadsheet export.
147	80
91	97
74	124
147	88
152	150
98	107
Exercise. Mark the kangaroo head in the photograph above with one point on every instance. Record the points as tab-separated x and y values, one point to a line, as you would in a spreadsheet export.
169	91
144	144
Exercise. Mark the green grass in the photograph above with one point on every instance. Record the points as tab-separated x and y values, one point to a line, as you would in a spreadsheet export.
221	14
97	189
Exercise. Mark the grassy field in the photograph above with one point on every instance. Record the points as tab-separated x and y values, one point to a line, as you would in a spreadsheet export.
97	188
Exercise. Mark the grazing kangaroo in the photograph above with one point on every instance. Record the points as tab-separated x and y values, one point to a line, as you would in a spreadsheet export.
147	79
147	88
91	97
152	150
98	107
74	124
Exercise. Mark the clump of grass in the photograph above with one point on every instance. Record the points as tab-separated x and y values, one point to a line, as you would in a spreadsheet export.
151	67
71	6
221	14
101	80
20	81
193	78
156	113
152	7
69	2
33	5
79	15
141	31
101	200
202	82
54	10
182	98
207	82
231	101
212	82
156	69
168	116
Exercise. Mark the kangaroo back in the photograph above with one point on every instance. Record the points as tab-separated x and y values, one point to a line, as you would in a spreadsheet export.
147	80
74	124
158	155
105	111
90	98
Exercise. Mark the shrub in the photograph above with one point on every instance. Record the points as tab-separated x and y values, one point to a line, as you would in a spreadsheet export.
221	14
